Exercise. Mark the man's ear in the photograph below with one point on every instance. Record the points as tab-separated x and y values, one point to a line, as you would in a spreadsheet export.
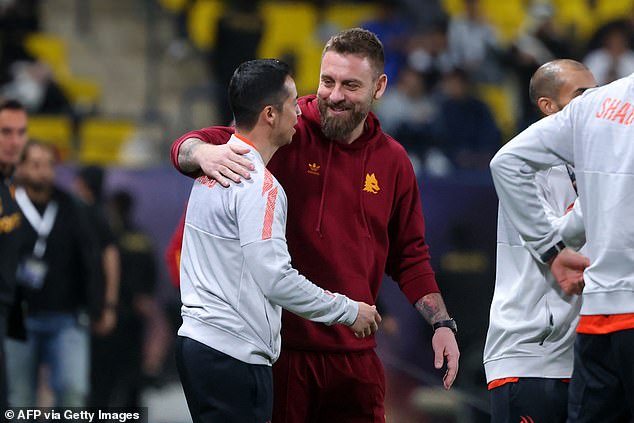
547	106
268	114
381	85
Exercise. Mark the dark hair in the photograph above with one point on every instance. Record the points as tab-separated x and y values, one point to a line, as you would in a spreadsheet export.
92	176
35	143
361	42
547	80
254	85
11	105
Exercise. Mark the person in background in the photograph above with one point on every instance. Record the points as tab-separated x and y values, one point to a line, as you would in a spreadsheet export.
593	133
56	258
118	382
89	188
528	355
13	136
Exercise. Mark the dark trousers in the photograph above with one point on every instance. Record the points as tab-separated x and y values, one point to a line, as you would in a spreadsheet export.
221	389
530	400
602	387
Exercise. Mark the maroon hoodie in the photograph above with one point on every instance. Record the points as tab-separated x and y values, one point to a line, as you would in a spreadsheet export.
354	213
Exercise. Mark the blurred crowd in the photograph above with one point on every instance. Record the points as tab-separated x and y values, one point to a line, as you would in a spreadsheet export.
457	86
439	66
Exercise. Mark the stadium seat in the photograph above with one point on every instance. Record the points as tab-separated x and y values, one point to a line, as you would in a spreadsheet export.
173	6
614	9
201	23
50	50
83	93
54	130
500	102
101	140
506	16
575	18
290	30
350	15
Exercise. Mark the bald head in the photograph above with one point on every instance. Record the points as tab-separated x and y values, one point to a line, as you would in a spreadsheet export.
557	82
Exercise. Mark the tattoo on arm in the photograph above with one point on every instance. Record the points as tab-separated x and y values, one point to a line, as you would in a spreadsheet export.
432	308
186	155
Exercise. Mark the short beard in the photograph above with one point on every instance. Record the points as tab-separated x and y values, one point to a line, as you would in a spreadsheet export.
337	128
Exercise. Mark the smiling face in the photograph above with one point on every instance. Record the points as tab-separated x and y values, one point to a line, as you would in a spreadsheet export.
348	86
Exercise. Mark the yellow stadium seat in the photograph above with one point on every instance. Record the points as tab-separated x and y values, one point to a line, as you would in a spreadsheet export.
576	18
307	72
50	50
201	23
350	15
453	7
506	16
101	140
499	101
287	26
290	29
614	9
54	130
173	6
82	92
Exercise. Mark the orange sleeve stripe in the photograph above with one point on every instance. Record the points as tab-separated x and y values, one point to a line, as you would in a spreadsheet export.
499	382
267	229
268	181
605	323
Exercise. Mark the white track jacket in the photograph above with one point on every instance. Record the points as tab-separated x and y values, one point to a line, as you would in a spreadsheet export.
595	134
532	322
236	272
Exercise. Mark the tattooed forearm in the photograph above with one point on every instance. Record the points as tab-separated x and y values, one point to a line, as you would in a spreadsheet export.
432	308
186	155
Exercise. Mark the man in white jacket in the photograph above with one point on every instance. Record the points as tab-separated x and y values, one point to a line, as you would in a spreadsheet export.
595	134
236	272
528	353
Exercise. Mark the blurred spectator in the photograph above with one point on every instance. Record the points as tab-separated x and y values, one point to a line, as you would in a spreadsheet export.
17	18
427	53
473	44
614	59
424	13
32	83
118	382
393	28
238	36
464	127
539	41
179	46
89	188
54	275
405	111
13	136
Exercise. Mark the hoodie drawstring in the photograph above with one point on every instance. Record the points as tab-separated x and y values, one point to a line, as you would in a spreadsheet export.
323	190
363	175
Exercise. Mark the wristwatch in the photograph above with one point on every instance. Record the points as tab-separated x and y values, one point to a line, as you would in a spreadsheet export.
552	252
450	323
